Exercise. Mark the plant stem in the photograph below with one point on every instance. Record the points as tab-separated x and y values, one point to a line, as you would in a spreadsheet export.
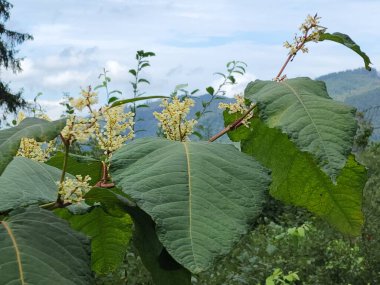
54	205
65	159
234	125
284	66
66	143
292	55
216	93
135	93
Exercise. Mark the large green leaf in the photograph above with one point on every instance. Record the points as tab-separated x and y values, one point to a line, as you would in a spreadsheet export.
200	195
109	235
299	181
25	182
348	42
303	110
36	247
79	165
162	267
40	130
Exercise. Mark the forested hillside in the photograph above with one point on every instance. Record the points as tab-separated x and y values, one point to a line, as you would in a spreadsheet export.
358	88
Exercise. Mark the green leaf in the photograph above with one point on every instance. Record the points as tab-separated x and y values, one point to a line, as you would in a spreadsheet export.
115	91
97	87
241	68
162	267
142	80
145	64
232	79
297	179
210	90
221	74
107	198
303	110
39	248
25	182
348	42
194	91
238	72
40	130
112	99
79	165
148	53
109	235
142	106
202	196
126	101
133	72
239	133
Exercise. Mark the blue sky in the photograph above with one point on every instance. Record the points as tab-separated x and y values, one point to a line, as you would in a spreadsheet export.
74	40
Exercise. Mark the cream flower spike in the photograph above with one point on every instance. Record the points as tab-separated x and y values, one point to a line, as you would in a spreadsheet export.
173	121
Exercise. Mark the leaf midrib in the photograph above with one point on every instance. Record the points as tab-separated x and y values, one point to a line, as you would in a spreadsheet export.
15	246
310	117
190	198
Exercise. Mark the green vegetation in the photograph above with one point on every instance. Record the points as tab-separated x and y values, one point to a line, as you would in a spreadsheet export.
284	204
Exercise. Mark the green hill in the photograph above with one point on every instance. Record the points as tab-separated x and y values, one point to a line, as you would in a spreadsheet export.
359	88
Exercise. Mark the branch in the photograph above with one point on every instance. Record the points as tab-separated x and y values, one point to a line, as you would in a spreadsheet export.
234	125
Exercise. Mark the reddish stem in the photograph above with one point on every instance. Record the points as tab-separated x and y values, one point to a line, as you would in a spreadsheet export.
234	125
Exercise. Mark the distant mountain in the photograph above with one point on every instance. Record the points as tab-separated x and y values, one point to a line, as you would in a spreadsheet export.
358	88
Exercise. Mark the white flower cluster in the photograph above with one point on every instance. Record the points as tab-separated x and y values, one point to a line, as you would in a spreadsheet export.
111	127
72	190
78	129
38	151
238	107
310	30
88	98
116	130
30	148
173	121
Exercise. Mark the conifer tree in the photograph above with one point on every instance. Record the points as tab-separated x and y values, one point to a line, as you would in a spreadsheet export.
9	101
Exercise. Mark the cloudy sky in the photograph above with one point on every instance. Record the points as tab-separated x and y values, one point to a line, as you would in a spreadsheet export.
74	40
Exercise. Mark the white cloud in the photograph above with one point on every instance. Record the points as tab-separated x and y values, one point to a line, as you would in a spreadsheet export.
117	71
242	82
65	78
53	109
74	40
